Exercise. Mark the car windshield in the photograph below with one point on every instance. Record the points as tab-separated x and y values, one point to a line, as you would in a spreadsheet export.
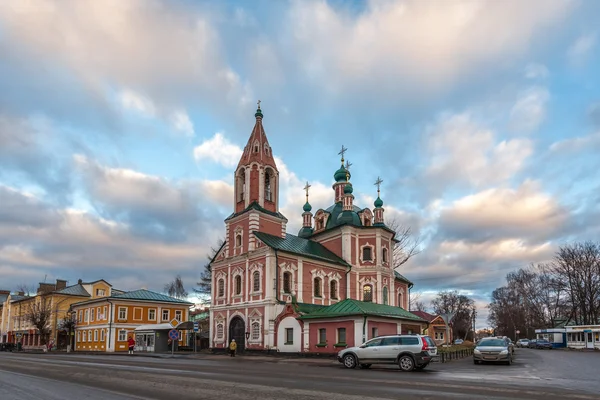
493	343
542	341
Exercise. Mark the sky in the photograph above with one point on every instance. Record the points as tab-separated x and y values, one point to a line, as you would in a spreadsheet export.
121	122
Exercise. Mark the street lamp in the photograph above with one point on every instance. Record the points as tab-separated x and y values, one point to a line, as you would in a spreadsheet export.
247	335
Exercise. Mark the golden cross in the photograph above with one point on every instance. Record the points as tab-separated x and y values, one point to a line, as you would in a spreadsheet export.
378	183
306	187
258	104
342	152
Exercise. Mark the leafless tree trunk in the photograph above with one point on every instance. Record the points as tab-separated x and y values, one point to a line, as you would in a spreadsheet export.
407	243
176	288
27	290
39	314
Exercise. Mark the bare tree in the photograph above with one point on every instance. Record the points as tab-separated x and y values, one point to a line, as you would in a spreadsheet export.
463	308
39	314
419	306
26	289
205	282
176	289
407	243
414	302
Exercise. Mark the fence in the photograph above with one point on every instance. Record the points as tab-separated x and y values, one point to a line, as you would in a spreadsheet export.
449	355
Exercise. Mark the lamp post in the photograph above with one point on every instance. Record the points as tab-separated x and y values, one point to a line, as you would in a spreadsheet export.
247	335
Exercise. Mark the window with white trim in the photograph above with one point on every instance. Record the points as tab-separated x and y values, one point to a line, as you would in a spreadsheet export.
102	335
368	293
221	288
384	254
238	285
92	314
78	336
317	287
255	331
219	331
178	316
87	316
95	335
289	336
122	335
333	292
152	314
341	335
287	282
385	295
256	281
165	315
123	313
367	253
84	336
100	292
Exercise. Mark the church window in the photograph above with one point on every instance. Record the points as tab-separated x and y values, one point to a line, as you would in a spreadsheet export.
255	331
241	185
384	255
399	299
256	148
368	293
221	288
320	223
322	336
317	283
287	282
268	191
367	254
385	295
333	289
256	281
266	149
238	285
341	335
238	240
289	335
220	331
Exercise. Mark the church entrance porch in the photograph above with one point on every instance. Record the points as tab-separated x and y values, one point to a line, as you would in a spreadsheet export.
237	331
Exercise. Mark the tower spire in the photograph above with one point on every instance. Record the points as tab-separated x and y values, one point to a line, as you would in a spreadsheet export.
307	229
378	211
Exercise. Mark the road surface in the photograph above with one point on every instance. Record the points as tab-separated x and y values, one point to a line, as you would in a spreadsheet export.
536	374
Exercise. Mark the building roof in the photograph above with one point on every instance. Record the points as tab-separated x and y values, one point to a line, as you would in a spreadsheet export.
148	295
304	247
350	307
336	210
307	308
255	206
401	277
74	290
424	315
3	298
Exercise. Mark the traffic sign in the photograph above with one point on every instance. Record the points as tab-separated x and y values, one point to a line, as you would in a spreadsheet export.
174	322
196	327
19	334
173	334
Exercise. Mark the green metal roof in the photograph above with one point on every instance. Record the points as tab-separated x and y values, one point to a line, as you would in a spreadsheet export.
307	308
350	307
148	295
254	206
401	277
304	247
75	290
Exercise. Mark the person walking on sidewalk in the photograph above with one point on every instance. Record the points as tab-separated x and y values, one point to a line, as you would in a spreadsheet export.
232	348
131	344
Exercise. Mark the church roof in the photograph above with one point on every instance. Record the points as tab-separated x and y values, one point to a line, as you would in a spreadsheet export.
401	277
258	149
335	211
255	206
304	247
350	307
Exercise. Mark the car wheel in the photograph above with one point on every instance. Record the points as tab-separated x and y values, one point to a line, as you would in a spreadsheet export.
406	363
349	361
365	366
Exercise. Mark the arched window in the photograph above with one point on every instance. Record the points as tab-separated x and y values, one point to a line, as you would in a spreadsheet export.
256	281
287	282
255	331
384	254
221	288
238	240
385	295
333	292
238	285
367	293
400	300
241	185
317	283
367	253
219	331
268	192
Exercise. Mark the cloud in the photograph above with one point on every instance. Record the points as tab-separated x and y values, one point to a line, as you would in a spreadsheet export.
218	149
536	71
593	113
581	48
463	151
529	111
589	142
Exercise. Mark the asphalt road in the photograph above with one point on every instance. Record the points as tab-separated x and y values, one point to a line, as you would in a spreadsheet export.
536	374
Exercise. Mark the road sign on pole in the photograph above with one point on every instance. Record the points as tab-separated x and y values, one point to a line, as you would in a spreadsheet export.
196	326
174	322
173	335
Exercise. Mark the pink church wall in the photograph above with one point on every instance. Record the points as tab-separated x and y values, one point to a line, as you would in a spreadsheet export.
331	331
383	328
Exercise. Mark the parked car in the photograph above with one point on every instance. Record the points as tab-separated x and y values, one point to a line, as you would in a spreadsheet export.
532	343
408	351
543	344
522	342
8	347
493	350
459	341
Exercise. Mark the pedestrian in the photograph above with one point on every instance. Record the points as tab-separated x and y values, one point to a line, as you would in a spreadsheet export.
232	348
131	344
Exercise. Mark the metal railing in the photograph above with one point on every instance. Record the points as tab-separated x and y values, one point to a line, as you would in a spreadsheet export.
456	354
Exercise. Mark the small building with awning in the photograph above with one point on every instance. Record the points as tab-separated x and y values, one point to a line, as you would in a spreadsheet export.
153	338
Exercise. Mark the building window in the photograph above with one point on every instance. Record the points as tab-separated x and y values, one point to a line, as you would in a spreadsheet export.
104	314
333	293
79	336
322	336
367	293
341	335
268	192
289	335
152	314
100	292
95	335
367	254
92	314
385	295
317	283
165	315
238	240
87	315
80	319
400	300
255	331
238	285
221	288
374	332
384	255
122	336
256	281
178	316
122	313
83	336
241	185
219	331
287	282
102	335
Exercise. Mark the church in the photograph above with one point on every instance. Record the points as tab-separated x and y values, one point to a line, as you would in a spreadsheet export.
331	286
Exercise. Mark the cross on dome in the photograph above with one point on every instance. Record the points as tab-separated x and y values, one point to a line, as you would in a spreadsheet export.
258	103
306	187
348	164
378	183
342	152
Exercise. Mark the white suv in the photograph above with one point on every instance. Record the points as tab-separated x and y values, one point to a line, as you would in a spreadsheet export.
408	351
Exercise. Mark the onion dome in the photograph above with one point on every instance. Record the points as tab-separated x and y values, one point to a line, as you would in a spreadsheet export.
348	188
341	174
378	203
348	217
307	207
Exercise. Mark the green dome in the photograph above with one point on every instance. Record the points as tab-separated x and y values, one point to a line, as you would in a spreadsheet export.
305	232
348	217
348	188
258	113
378	203
340	174
307	207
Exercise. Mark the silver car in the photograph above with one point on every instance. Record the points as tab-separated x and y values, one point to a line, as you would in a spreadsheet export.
407	351
493	350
